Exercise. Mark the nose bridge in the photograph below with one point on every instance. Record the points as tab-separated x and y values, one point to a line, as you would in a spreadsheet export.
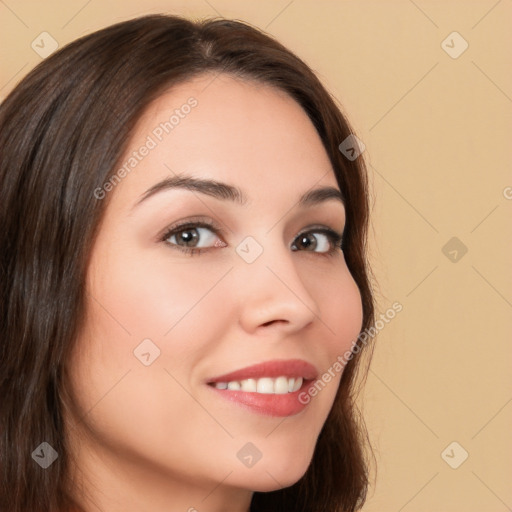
270	284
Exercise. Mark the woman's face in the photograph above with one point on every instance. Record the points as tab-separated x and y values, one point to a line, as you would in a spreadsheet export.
268	288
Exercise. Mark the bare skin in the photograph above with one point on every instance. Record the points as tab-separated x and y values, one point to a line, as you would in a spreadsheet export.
157	437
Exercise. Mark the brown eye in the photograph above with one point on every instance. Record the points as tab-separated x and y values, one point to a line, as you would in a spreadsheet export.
188	236
325	240
193	237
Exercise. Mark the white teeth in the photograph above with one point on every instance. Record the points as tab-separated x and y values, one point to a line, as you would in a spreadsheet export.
249	385
281	386
265	385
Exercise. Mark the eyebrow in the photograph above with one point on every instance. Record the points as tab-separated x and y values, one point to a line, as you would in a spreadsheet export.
225	192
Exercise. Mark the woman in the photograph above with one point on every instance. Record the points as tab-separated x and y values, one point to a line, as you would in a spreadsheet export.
134	376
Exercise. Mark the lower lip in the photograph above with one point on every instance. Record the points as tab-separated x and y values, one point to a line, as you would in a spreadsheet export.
282	405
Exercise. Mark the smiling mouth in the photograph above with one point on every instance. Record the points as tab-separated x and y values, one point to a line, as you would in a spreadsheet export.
264	385
270	388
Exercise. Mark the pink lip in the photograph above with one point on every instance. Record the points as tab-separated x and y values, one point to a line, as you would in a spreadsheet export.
269	404
277	368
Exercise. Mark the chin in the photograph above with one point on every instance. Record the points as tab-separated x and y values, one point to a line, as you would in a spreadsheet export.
265	482
278	474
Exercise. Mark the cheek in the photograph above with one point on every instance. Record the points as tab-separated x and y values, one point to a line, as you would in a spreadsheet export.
147	302
340	305
151	292
338	326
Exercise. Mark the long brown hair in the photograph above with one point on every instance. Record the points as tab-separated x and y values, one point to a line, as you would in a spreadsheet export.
63	130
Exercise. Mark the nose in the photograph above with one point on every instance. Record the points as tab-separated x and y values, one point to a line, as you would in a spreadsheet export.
272	293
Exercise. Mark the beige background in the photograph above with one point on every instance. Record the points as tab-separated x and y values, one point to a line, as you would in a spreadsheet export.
437	133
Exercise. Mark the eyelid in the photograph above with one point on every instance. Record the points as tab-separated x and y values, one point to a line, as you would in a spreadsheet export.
319	227
202	222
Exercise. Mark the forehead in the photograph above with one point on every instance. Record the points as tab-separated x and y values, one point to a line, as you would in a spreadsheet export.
253	136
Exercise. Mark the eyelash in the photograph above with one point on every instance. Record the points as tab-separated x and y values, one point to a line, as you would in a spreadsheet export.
335	238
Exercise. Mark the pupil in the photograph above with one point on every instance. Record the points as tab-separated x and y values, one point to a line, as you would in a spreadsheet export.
188	238
306	242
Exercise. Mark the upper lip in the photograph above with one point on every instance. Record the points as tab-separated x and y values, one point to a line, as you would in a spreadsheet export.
276	368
